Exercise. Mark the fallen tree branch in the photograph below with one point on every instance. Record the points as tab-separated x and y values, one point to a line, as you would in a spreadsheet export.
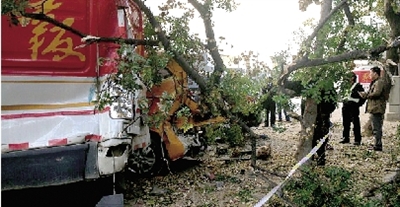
43	17
304	61
196	77
233	159
211	46
281	175
352	55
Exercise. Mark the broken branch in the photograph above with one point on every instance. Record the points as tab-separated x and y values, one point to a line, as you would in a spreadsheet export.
352	55
130	41
322	23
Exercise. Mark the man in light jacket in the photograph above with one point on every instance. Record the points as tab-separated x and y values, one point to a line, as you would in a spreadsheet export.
376	105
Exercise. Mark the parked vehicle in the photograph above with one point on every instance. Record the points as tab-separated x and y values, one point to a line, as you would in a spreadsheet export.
52	133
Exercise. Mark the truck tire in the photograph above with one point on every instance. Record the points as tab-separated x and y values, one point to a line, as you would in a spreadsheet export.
150	160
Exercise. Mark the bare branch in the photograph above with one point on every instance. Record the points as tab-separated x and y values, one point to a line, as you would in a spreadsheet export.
352	55
348	13
321	23
45	18
350	18
211	42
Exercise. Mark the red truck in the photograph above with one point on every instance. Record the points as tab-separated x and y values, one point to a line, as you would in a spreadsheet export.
51	132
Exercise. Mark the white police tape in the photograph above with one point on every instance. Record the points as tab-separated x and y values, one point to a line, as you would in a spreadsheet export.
301	162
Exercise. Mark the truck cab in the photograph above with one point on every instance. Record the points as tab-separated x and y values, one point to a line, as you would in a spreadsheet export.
52	132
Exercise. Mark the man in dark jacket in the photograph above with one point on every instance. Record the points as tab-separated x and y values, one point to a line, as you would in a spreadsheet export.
269	105
351	111
322	123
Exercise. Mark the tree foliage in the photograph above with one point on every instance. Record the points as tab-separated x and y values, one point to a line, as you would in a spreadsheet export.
323	187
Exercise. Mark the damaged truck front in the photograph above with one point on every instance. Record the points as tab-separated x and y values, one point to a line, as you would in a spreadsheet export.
52	133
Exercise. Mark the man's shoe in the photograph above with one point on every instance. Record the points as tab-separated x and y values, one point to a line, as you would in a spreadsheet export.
375	148
357	143
321	162
344	141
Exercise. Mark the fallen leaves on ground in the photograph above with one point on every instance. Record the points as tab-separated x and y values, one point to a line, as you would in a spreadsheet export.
217	182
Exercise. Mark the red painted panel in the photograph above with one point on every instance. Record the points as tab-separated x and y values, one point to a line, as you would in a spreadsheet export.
93	138
40	48
363	76
54	113
20	146
58	142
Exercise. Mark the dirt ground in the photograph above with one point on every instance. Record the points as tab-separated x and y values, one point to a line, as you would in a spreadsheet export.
215	182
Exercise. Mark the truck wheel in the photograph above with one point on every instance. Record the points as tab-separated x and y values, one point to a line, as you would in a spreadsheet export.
149	160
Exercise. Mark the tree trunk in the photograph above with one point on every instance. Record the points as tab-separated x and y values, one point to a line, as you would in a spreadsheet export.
310	112
367	128
307	129
393	19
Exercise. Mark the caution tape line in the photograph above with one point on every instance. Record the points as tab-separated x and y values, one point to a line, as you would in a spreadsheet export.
301	162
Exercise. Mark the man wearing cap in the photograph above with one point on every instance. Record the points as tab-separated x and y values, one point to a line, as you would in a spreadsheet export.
351	111
376	105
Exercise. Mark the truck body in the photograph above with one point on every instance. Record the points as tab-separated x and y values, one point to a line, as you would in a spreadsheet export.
52	133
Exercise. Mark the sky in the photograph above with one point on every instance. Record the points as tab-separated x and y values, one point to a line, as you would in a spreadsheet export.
263	26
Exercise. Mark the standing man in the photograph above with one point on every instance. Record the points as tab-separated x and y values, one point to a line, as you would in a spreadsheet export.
351	111
269	105
376	105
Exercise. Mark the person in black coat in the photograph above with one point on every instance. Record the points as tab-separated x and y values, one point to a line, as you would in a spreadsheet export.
269	105
351	111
